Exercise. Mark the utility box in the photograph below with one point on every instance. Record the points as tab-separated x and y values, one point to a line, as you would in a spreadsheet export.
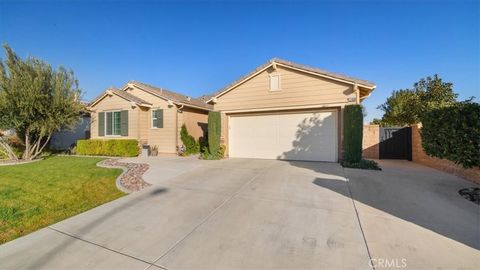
145	150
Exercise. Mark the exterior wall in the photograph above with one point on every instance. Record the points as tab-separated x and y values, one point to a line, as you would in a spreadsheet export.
196	122
419	156
114	102
297	89
63	139
143	125
371	141
164	138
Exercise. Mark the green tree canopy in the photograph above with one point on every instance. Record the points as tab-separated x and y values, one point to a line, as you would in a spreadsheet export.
36	100
406	106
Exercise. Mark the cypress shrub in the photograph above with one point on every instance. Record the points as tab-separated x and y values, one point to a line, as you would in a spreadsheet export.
191	145
118	148
214	130
353	133
453	133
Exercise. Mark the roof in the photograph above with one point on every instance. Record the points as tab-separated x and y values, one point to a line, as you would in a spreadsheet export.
170	95
122	94
321	72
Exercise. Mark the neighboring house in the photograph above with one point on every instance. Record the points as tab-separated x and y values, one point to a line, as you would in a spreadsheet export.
281	110
152	115
66	138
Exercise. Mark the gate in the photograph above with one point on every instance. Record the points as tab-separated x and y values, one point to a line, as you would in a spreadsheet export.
396	143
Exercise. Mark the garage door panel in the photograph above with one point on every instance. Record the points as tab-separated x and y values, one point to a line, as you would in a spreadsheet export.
302	136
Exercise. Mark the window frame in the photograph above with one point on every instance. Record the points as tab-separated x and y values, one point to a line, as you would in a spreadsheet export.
113	123
151	118
271	76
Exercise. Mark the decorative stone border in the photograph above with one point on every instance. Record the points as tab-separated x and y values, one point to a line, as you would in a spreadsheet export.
12	163
131	178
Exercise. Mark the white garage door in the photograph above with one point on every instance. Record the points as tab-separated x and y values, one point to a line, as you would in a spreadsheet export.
299	136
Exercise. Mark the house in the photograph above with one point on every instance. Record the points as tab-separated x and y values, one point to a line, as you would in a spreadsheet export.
149	114
281	110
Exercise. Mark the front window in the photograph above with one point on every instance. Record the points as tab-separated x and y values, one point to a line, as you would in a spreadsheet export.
112	124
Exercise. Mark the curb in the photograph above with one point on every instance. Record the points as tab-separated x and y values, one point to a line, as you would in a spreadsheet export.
118	182
19	163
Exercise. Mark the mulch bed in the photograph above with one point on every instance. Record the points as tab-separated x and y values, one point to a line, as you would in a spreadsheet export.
132	178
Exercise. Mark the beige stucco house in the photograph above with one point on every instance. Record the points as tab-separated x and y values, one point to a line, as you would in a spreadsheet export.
149	114
281	110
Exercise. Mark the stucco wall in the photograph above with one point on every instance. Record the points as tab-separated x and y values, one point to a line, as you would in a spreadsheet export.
297	89
196	122
371	141
110	103
419	156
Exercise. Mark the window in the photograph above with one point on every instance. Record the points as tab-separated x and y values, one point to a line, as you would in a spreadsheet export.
113	123
157	118
275	82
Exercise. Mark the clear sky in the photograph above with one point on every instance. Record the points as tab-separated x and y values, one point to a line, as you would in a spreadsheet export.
198	47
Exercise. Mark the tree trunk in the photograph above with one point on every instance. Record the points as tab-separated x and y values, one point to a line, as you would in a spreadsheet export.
8	149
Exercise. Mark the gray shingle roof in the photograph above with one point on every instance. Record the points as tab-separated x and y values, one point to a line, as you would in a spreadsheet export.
299	66
173	96
122	94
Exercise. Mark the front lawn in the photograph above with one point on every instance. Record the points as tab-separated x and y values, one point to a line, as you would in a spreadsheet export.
38	194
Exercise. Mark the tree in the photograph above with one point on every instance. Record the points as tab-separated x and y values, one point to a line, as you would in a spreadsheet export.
406	106
36	100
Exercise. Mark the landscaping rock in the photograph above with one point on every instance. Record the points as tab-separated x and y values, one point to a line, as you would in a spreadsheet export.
131	179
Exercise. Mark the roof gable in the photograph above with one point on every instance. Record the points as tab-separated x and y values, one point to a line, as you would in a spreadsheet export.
369	86
170	96
122	94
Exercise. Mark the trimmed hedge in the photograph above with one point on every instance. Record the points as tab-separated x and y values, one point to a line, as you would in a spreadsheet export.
113	147
353	133
214	130
453	133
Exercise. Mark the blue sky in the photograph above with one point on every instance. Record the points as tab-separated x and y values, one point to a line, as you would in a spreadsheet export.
199	47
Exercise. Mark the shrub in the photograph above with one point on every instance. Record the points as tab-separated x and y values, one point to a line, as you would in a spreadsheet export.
218	155
214	130
191	145
453	133
362	164
353	133
119	148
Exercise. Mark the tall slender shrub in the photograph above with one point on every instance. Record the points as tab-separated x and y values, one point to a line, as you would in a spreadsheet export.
353	133
214	130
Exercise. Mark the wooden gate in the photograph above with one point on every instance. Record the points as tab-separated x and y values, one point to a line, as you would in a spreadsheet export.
396	143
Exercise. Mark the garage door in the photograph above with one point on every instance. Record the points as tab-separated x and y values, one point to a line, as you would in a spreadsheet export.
296	136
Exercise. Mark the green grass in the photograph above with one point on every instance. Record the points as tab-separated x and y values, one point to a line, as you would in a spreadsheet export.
38	194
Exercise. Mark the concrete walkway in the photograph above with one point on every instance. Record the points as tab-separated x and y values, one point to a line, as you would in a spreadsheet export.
265	214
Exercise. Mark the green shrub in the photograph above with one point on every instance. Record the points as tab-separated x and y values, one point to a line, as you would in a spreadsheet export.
191	145
218	155
353	133
214	129
453	133
114	147
362	164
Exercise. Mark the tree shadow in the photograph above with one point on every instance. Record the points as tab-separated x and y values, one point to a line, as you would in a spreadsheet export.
310	140
431	203
132	202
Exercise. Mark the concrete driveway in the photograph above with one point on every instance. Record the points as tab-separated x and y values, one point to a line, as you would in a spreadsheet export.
266	214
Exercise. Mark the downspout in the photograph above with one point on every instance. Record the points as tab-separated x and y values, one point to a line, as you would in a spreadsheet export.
179	109
357	93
